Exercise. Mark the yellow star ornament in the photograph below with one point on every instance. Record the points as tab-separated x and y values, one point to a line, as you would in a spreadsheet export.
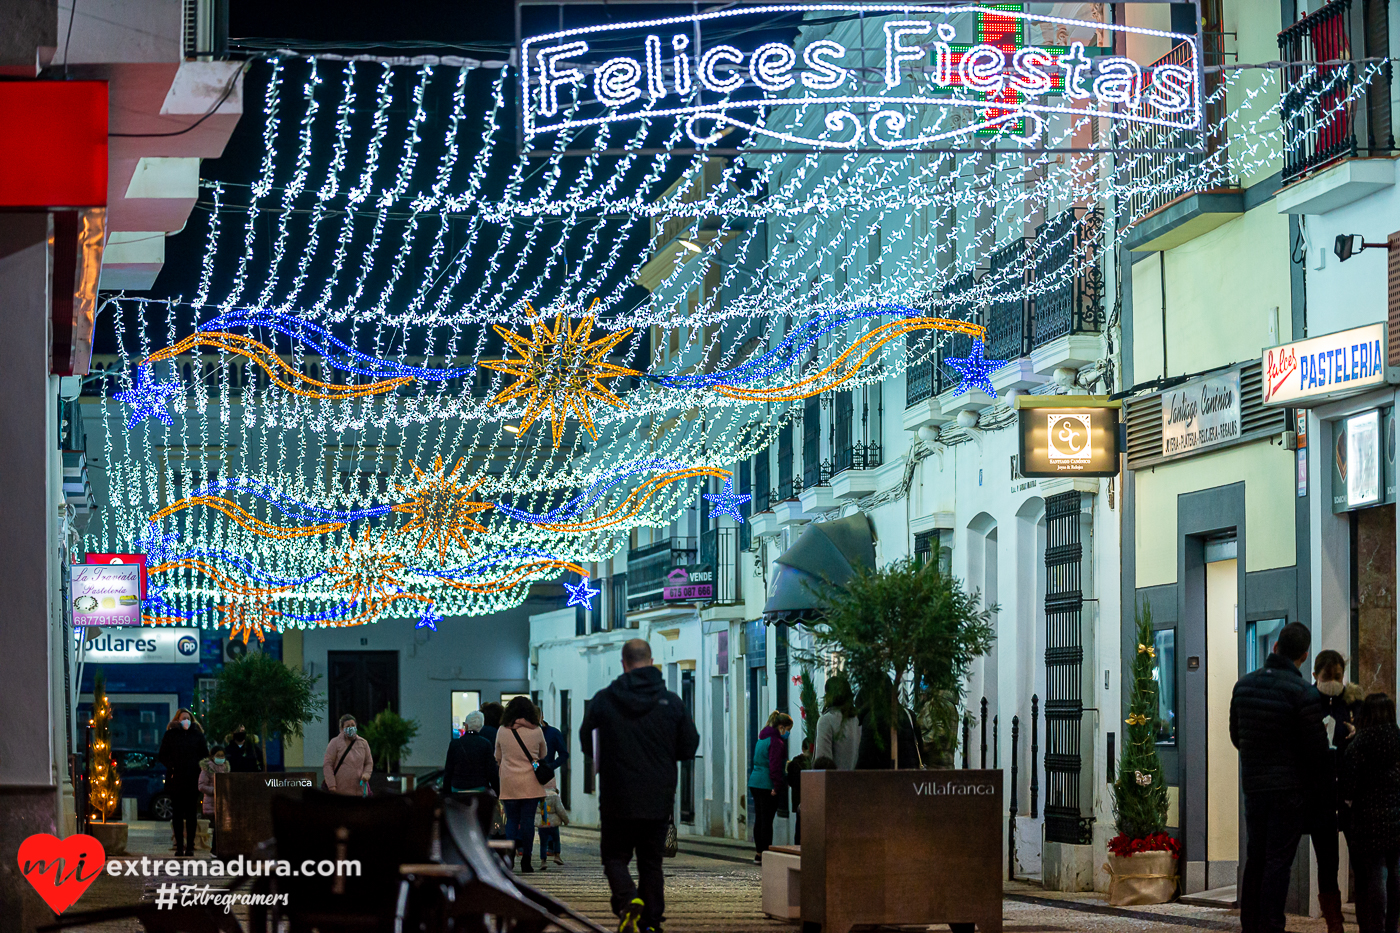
248	615
560	369
367	571
440	508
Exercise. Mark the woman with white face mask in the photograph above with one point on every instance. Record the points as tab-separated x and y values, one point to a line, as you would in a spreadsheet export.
348	762
181	750
1328	813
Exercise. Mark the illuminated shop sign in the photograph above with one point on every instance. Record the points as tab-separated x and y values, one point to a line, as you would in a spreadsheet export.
937	77
105	594
1068	436
140	646
1307	372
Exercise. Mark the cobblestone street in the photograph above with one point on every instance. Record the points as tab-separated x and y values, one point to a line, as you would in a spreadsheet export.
712	886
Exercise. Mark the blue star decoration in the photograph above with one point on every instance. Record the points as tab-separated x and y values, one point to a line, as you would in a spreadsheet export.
149	399
431	617
726	502
580	594
974	370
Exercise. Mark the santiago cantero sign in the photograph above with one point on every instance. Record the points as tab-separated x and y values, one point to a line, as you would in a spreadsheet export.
1200	414
949	77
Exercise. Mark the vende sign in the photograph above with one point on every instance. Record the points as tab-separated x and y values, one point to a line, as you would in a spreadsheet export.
937	77
1308	372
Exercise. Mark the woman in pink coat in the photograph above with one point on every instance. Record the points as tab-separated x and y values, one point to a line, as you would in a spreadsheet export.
520	747
216	763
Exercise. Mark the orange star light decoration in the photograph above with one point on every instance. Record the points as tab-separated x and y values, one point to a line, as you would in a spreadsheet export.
368	570
440	508
560	369
249	615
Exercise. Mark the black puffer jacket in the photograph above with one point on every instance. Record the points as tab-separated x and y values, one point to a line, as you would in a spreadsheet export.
1276	723
643	730
1371	781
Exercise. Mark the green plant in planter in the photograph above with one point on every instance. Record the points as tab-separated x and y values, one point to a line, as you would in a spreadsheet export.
908	621
389	735
258	688
1140	792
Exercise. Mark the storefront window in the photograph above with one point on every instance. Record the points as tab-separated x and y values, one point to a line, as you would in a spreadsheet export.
1260	637
1164	640
463	702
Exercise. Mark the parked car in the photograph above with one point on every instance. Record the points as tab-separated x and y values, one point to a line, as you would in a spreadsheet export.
144	778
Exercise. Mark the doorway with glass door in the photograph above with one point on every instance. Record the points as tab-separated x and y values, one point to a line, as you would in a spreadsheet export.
1222	670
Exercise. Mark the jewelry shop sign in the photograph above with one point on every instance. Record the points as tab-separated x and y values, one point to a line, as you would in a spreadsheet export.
1064	435
1201	414
885	76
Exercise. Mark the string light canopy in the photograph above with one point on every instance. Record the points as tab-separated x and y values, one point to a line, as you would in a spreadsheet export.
266	437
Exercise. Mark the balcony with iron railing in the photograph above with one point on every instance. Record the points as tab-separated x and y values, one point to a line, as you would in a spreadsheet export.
648	566
719	550
856	457
1336	102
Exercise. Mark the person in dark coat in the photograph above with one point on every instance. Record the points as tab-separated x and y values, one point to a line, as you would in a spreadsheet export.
182	748
1370	779
642	730
874	706
471	772
1329	670
1276	723
241	752
550	843
794	780
493	712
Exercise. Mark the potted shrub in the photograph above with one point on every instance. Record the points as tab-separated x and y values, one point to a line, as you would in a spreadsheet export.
389	735
1142	857
912	625
104	795
258	688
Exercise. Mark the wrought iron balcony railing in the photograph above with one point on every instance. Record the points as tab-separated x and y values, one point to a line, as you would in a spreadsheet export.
1325	115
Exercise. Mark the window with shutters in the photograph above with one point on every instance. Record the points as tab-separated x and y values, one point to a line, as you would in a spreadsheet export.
1064	663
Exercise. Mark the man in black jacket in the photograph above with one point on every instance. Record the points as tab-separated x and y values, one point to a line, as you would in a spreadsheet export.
643	730
1276	723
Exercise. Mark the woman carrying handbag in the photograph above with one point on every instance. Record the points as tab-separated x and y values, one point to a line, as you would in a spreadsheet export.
520	751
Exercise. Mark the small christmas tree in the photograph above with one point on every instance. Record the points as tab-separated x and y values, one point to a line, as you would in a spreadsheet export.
104	784
1140	793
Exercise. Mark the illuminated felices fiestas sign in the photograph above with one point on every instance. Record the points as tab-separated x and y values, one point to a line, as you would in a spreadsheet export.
948	77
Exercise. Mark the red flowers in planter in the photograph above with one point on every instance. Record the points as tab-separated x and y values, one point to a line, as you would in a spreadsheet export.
1157	842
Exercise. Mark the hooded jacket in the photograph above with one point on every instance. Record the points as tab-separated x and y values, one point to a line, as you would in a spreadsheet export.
1276	723
769	760
207	769
643	730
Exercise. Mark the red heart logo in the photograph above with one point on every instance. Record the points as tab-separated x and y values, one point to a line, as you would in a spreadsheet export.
61	869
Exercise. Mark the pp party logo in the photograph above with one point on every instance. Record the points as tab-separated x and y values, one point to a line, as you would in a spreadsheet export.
61	869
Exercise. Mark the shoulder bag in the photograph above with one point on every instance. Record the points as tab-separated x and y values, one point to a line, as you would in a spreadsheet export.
343	756
543	772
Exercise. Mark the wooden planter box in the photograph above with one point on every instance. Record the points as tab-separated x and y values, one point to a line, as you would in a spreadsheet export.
901	847
243	806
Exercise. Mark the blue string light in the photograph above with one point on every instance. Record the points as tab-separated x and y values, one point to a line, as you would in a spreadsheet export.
323	340
585	500
287	505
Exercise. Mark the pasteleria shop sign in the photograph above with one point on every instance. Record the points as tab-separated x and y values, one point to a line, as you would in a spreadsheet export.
1068	435
105	594
1307	372
1200	414
930	77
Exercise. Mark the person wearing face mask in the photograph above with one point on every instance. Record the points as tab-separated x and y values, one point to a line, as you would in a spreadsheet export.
1326	812
348	762
181	750
767	779
216	763
242	752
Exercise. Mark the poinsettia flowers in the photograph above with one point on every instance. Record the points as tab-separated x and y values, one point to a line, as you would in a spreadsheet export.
1157	842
